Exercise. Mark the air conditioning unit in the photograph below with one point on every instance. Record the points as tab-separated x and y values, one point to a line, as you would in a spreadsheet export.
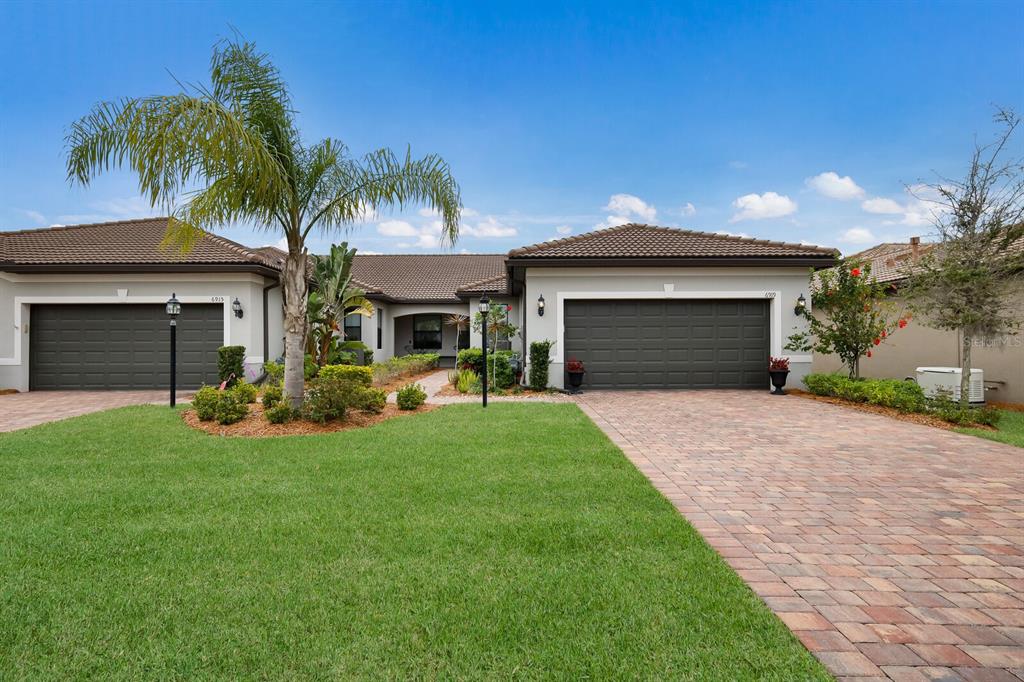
936	381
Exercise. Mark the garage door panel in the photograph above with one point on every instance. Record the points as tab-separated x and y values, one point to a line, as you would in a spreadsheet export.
669	343
121	346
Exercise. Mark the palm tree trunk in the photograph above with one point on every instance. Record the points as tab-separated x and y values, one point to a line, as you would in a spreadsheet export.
294	326
965	369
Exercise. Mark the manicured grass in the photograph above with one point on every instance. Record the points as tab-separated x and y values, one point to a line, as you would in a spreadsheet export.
1010	429
512	543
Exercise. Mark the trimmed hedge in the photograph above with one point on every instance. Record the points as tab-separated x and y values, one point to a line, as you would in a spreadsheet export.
363	376
404	365
905	396
411	396
540	361
231	360
499	365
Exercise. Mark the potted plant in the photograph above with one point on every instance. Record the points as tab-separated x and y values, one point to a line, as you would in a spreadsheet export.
574	368
778	369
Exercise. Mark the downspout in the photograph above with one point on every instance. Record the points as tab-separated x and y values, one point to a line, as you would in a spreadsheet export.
266	327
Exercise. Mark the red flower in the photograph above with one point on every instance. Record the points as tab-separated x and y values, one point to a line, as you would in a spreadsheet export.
877	341
884	333
869	354
855	272
902	324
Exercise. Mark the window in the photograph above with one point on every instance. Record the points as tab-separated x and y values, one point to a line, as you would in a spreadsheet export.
426	332
353	327
380	328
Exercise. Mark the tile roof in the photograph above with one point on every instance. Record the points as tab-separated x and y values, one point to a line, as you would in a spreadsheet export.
648	241
894	261
433	277
126	242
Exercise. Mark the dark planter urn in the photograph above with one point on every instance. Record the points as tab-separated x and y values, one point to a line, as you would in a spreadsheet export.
575	381
778	380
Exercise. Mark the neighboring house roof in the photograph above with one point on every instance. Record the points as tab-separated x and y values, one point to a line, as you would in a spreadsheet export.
122	245
429	278
633	241
894	261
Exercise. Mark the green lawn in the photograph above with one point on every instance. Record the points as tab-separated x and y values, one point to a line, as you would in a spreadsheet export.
1010	429
516	543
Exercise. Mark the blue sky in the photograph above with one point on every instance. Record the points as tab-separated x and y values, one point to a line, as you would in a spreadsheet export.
794	121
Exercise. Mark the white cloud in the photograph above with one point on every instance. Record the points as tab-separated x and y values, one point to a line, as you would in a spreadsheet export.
727	233
831	185
613	221
397	228
563	229
761	206
689	209
369	253
107	210
423	241
35	216
629	205
881	205
489	227
281	243
738	165
857	235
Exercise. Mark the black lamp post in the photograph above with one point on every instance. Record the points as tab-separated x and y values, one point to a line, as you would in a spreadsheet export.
173	310
485	308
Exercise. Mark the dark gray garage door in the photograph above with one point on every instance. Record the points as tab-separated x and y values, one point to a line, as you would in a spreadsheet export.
669	343
121	346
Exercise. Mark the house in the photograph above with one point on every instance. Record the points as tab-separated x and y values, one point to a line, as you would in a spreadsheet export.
642	306
918	345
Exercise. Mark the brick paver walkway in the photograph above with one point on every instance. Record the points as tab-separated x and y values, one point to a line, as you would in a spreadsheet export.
22	410
890	549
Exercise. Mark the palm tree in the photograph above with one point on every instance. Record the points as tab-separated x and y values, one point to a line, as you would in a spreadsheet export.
332	277
231	152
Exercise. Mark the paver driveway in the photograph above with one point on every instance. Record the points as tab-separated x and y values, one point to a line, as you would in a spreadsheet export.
890	549
22	410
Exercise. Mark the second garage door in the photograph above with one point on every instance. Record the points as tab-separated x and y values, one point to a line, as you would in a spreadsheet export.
669	343
122	346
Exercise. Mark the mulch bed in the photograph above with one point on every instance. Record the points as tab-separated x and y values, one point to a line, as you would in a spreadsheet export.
256	426
923	419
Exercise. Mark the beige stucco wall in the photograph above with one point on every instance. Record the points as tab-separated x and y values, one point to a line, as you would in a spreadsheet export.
18	292
782	285
918	345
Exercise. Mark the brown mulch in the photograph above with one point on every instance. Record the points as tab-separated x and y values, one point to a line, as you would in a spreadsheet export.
256	426
396	384
923	419
1012	407
8	391
449	390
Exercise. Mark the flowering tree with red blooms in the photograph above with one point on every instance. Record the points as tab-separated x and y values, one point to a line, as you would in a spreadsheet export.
853	315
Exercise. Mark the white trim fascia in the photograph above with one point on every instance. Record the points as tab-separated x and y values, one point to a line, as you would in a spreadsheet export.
775	297
21	301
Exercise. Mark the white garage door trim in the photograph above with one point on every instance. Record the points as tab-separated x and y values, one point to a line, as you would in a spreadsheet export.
21	301
669	292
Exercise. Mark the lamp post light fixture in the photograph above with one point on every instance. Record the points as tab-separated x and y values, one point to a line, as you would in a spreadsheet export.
485	309
236	306
801	305
540	306
173	310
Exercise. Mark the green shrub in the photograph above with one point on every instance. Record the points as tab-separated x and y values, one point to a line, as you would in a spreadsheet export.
405	365
341	357
471	358
362	376
905	396
272	395
499	369
330	397
354	347
309	367
205	403
467	380
231	408
369	399
540	361
953	412
275	371
245	391
231	361
411	396
279	413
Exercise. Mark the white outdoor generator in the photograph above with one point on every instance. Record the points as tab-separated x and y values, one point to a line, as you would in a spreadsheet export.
937	381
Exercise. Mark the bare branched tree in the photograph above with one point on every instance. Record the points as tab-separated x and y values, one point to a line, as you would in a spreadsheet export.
967	282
